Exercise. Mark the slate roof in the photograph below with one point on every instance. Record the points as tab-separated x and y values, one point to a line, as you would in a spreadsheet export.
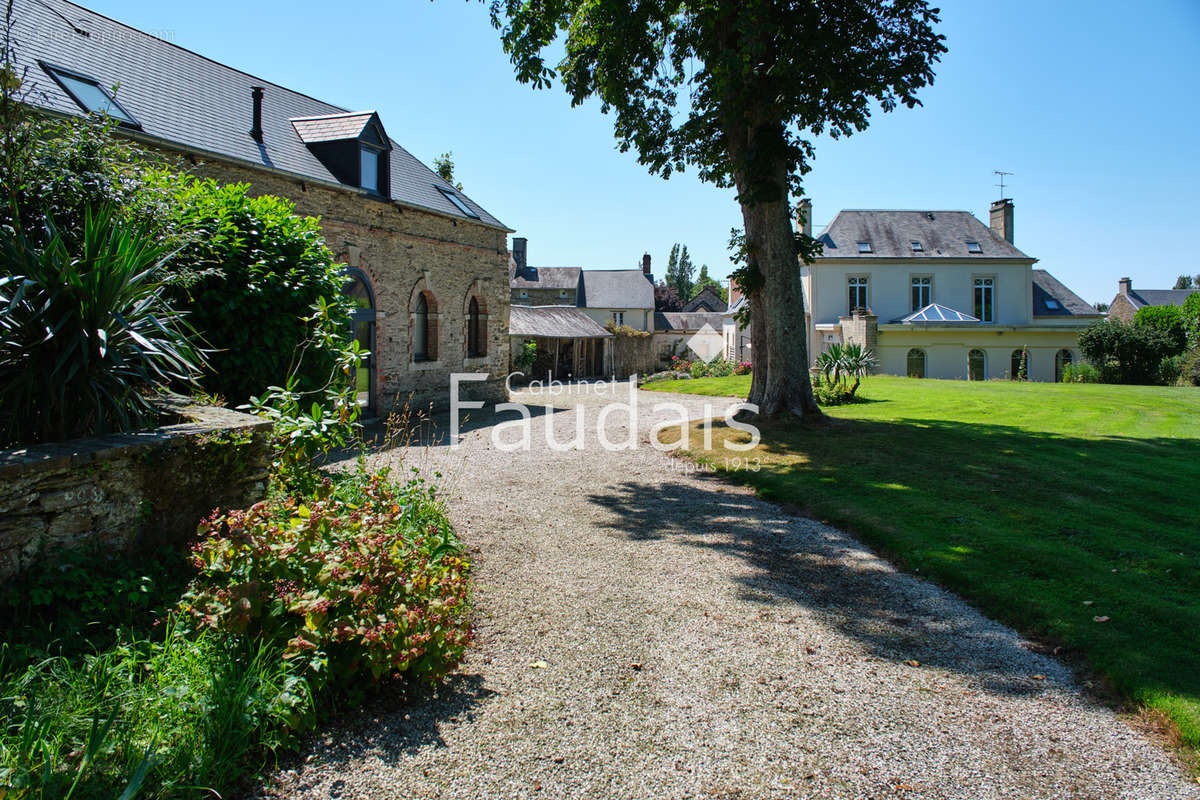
679	321
1159	297
942	234
1047	287
616	288
546	278
332	127
185	99
553	322
707	296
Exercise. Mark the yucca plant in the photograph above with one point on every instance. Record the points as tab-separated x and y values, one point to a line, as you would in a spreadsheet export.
86	333
855	361
829	362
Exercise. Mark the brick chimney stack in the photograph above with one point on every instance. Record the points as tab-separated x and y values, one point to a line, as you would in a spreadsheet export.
646	267
735	292
804	216
519	252
1124	286
1001	219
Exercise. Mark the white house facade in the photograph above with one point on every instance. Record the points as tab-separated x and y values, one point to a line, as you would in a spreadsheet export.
938	294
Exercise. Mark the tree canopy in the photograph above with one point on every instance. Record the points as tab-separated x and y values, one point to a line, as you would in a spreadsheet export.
736	89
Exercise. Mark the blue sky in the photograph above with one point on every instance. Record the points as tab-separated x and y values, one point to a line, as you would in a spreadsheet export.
1091	104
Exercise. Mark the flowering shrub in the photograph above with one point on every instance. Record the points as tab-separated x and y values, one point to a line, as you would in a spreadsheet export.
743	368
680	364
717	368
365	580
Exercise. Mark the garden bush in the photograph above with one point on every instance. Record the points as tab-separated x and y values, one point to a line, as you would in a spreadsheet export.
1127	353
1190	368
1080	373
1167	320
358	585
262	272
116	338
743	368
1189	315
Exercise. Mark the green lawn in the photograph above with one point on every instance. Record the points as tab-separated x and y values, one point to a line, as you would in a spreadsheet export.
1029	499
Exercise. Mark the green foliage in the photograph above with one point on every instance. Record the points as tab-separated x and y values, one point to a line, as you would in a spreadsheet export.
680	271
443	165
168	717
1127	353
1187	282
1190	368
526	356
1023	368
87	333
838	364
704	280
1189	315
716	368
357	585
1080	373
829	393
268	269
1167	320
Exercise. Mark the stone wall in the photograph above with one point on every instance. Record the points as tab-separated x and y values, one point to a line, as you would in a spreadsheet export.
150	487
405	252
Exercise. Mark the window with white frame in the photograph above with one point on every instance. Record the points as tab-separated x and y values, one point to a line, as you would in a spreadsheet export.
619	318
857	292
922	292
985	299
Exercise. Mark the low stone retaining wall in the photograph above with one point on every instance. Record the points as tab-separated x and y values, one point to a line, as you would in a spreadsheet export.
131	489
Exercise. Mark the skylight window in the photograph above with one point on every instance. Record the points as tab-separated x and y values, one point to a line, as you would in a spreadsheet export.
917	247
864	247
1052	304
973	247
90	95
458	203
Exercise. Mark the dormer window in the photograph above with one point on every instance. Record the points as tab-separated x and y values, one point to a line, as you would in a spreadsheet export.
917	247
864	247
973	247
90	95
353	147
369	162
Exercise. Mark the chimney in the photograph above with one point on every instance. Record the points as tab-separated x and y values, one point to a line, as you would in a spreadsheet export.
646	267
804	216
256	131
520	243
735	292
1124	286
1001	219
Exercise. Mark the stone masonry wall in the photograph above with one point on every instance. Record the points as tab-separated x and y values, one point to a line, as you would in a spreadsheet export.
405	252
149	487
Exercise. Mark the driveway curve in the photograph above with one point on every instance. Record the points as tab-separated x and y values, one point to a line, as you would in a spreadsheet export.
648	631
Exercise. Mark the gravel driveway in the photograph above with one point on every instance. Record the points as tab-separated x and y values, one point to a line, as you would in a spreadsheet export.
647	631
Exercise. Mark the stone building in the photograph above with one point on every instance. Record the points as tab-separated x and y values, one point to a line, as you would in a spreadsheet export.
427	265
1129	300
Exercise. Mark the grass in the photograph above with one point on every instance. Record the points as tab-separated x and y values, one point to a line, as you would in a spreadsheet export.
1046	505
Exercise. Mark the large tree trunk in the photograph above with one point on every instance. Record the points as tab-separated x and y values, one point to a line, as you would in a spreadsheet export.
778	305
759	347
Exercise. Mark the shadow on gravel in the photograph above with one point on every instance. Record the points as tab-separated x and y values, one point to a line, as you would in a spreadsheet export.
390	727
823	572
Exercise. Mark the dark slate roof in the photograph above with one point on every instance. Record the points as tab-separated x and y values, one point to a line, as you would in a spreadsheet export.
546	278
616	288
942	234
1159	297
187	100
1047	287
707	296
332	127
553	322
680	321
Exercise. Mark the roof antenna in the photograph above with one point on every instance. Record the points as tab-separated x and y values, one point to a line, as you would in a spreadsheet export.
1001	173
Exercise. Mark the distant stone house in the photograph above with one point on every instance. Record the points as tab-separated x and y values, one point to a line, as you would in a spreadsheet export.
426	264
707	300
540	286
673	330
1129	300
619	296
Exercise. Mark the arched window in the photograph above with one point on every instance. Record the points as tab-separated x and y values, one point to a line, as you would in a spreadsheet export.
916	363
421	329
1015	368
362	320
1062	359
476	331
976	365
